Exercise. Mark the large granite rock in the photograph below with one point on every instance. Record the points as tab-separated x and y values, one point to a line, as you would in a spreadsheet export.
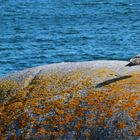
97	100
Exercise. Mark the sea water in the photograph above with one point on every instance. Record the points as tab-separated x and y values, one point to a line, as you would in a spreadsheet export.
37	32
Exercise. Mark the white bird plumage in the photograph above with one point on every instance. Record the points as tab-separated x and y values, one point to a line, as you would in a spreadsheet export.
134	61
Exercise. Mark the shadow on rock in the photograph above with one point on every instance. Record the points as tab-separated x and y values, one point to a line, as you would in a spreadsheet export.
112	81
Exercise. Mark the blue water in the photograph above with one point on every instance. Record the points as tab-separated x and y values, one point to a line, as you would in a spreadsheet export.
36	32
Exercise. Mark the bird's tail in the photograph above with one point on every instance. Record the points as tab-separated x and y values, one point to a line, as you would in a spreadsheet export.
130	64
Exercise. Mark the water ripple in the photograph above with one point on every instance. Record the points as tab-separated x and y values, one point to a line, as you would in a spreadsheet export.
40	32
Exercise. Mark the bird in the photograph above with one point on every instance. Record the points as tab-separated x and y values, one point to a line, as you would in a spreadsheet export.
134	61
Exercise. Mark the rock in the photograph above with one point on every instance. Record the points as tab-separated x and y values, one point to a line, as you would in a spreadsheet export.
79	100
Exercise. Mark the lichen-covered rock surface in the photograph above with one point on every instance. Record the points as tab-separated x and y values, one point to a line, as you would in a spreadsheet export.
97	100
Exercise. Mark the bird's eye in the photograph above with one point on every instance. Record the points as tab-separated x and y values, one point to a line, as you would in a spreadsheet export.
137	57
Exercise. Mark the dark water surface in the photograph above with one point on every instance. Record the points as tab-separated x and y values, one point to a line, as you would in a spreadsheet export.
36	32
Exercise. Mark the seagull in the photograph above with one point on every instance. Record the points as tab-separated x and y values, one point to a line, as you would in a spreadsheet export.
134	61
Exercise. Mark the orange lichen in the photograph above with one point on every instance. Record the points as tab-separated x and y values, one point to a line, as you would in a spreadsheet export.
57	103
109	113
122	125
91	116
137	131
